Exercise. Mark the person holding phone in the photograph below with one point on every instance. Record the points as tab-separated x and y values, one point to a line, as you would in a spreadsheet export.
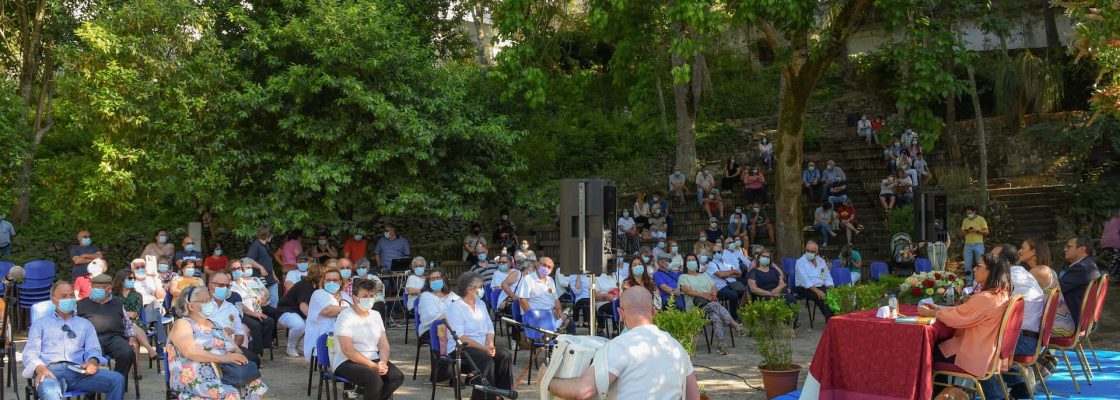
974	228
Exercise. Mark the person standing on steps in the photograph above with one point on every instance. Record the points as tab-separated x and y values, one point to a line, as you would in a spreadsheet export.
974	228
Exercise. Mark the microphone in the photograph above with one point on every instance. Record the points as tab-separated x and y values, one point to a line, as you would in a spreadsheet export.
544	331
505	393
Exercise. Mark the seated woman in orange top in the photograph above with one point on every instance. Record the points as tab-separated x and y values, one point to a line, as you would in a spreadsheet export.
968	333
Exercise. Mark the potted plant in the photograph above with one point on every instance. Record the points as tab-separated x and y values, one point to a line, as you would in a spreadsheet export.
771	324
680	324
847	299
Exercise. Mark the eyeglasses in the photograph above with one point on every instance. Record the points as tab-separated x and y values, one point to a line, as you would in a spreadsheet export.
69	332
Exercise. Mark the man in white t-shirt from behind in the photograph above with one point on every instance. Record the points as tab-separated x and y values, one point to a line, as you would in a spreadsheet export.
643	363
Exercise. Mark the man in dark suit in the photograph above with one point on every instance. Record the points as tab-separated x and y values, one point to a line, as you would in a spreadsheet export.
1081	272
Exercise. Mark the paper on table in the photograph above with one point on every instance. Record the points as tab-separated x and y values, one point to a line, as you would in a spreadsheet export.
883	312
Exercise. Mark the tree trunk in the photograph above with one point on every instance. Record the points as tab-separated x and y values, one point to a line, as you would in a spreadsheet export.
686	123
787	171
480	48
1053	43
981	137
36	68
951	126
664	108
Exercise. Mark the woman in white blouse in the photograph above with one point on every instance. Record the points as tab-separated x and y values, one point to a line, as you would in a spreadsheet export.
323	308
362	354
470	320
433	302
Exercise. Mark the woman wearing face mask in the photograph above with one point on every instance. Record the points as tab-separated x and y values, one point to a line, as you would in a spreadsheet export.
161	247
415	282
642	211
124	283
362	353
640	276
197	346
472	242
470	320
714	233
326	303
754	182
523	252
323	249
303	263
166	275
699	290
766	153
433	304
766	281
188	276
730	175
216	261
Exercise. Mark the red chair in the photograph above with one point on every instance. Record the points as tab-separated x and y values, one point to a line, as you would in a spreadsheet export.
1088	309
1009	329
1097	317
1045	331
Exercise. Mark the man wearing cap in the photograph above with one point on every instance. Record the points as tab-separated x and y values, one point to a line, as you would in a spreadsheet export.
295	275
114	330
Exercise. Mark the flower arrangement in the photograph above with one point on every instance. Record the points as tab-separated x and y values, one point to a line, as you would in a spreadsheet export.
938	285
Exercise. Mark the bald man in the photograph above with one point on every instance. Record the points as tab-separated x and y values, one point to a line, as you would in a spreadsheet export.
538	291
630	357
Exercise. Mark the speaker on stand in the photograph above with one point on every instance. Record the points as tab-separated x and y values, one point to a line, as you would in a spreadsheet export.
931	216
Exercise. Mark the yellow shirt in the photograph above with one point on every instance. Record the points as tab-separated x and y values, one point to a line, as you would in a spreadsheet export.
979	224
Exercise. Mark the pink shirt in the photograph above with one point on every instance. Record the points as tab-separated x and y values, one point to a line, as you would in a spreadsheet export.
290	251
753	181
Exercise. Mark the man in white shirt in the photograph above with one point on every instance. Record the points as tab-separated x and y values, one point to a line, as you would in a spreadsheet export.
725	273
151	294
627	231
538	291
813	278
415	282
227	316
704	185
643	363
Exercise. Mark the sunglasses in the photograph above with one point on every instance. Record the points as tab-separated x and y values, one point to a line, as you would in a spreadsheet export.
69	332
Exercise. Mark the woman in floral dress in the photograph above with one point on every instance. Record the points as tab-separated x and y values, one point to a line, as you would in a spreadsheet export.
196	349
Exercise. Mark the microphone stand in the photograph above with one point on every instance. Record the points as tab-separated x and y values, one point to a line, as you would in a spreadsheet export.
462	350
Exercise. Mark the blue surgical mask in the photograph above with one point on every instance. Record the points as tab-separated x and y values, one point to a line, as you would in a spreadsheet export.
692	265
140	272
717	256
764	260
639	269
188	272
386	235
661	245
86	241
129	283
703	259
358	237
437	285
674	249
733	246
363	271
645	259
419	271
482	257
810	256
543	271
221	293
217	252
332	287
738	243
67	306
480	294
503	267
97	294
208	309
345	273
162	239
164	267
302	266
189	247
236	274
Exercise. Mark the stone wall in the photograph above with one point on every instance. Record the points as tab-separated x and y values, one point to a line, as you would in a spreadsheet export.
1011	154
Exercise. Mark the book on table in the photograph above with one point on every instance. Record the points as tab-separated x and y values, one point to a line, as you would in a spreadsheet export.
915	320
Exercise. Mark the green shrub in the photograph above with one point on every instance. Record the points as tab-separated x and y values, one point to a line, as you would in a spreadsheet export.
771	324
848	299
680	324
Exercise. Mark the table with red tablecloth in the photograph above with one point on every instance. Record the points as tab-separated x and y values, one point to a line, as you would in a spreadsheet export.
861	356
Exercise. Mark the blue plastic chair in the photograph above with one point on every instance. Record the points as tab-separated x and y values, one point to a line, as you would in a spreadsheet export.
404	295
515	310
439	362
841	276
923	265
836	263
539	319
878	269
789	266
39	270
326	374
419	340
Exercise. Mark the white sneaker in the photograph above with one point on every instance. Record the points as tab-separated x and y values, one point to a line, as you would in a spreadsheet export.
292	352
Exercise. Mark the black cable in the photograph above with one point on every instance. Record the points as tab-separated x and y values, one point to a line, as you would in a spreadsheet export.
728	373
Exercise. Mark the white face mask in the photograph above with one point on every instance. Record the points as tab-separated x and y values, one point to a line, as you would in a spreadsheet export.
366	304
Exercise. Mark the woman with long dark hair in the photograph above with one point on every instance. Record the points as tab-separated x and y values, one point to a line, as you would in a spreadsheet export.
967	333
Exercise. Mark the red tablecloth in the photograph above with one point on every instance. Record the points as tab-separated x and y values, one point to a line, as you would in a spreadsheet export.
864	357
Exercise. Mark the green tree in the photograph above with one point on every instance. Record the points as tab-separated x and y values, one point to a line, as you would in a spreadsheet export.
1096	23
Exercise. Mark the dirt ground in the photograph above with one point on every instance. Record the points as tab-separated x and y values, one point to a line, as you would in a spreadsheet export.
732	376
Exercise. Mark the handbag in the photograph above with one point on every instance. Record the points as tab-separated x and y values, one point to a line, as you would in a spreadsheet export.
696	301
239	375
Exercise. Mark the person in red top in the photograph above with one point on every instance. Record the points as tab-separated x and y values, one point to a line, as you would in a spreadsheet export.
355	248
847	214
216	262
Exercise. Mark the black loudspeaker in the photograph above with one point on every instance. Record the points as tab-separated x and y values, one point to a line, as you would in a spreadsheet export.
600	203
931	216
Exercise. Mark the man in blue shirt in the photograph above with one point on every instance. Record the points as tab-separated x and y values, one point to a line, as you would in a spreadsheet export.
390	247
82	253
6	233
60	345
811	180
189	252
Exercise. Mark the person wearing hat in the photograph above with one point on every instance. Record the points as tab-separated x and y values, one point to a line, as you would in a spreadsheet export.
114	329
303	262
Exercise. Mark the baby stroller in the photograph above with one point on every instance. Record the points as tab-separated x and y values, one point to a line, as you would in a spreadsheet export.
903	252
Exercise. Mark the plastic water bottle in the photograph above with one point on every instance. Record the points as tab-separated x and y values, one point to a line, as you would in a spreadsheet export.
893	304
330	342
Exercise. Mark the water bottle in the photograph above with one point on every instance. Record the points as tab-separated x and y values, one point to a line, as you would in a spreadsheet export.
893	304
330	342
